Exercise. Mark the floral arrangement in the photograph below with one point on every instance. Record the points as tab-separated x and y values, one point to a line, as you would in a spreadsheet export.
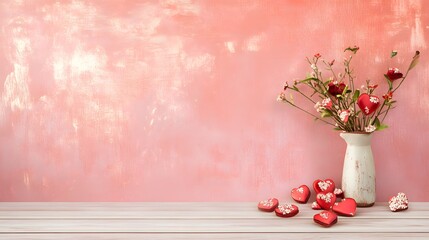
338	102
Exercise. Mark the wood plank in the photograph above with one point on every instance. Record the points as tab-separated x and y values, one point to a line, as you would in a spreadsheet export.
179	211
231	236
274	225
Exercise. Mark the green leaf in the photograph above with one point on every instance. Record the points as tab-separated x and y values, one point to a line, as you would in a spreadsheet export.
388	81
377	123
390	103
325	113
337	128
307	80
356	95
352	49
414	61
393	53
345	90
381	127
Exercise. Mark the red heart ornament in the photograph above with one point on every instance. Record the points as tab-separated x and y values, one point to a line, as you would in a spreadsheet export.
286	210
315	206
268	205
393	74
325	218
326	200
347	207
368	103
301	194
323	186
398	203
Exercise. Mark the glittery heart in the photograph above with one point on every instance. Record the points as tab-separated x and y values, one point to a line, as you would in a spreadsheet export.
325	186
368	103
399	202
326	200
268	205
315	206
286	210
347	207
325	218
301	194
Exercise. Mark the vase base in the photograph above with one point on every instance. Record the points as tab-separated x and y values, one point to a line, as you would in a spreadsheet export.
365	204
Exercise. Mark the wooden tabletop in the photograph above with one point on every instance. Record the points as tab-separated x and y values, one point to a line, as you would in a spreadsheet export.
205	220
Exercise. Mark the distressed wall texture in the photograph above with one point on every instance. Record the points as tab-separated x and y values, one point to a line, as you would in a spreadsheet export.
175	100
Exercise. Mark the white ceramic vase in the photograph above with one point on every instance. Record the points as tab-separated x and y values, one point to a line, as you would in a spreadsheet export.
358	180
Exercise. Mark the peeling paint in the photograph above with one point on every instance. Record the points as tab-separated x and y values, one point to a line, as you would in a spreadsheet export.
174	100
417	35
253	44
230	46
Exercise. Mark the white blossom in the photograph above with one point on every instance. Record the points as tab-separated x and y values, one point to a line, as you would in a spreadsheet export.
318	106
374	99
370	128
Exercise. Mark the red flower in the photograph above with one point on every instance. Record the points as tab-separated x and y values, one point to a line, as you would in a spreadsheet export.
388	96
317	55
393	74
286	86
335	88
372	86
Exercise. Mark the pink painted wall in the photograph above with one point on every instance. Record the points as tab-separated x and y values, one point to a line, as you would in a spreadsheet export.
175	100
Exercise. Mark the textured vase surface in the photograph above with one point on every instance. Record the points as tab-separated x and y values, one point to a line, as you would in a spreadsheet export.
358	181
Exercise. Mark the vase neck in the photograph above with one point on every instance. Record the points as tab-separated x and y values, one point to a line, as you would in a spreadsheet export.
357	139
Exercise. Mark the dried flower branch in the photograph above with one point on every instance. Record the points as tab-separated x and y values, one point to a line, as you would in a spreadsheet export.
337	99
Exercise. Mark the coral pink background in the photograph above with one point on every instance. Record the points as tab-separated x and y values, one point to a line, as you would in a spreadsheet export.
175	100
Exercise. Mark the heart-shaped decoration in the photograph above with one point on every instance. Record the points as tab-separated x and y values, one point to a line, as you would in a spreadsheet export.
286	210
323	186
368	103
339	193
268	205
325	218
393	74
315	206
326	200
301	194
347	207
398	203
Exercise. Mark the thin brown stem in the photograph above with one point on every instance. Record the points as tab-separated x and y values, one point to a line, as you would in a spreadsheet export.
318	118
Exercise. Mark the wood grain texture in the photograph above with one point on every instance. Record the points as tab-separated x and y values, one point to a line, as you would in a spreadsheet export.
200	221
232	236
